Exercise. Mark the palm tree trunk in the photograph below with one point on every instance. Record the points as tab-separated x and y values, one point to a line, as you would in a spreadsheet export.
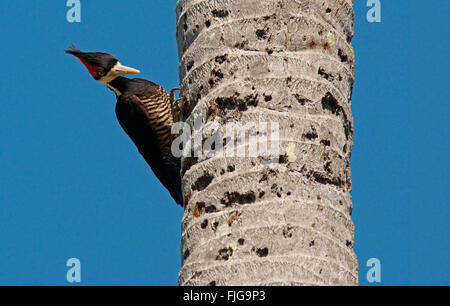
283	61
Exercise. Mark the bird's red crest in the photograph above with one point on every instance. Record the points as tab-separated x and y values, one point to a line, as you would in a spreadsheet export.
92	69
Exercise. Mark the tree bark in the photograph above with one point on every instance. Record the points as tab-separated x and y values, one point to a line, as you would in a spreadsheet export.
284	61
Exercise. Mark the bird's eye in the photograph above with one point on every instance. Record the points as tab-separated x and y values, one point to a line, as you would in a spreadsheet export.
100	72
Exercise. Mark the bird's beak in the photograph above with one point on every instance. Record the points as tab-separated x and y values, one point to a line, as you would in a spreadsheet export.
119	70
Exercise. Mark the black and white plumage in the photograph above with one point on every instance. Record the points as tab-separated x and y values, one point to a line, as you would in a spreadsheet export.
144	110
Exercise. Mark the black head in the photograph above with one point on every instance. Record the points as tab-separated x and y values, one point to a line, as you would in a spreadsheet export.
103	67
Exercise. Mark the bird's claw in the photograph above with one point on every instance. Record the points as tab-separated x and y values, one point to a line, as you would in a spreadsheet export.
181	107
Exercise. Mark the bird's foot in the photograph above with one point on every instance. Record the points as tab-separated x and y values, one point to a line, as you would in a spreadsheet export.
181	107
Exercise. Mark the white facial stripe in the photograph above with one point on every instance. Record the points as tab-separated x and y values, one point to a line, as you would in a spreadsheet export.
111	75
116	71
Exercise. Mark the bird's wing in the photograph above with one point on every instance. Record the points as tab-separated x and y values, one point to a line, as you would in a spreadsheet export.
145	126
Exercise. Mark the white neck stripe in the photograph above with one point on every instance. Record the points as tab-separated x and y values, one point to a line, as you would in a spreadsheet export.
117	92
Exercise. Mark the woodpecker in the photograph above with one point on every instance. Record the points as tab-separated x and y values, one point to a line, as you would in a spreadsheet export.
144	110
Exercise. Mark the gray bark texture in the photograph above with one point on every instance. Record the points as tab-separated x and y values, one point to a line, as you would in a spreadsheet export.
285	61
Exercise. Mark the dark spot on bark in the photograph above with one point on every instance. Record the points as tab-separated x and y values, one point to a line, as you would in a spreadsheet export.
185	27
283	159
226	140
323	179
241	241
276	190
287	232
217	73
227	102
266	174
196	274
348	243
199	208
224	254
325	75
252	100
342	56
327	167
208	23
261	194
190	65
186	254
221	59
210	209
311	244
330	103
267	98
213	283
302	100
202	182
262	252
311	135
214	226
241	45
264	177
219	13
312	43
289	81
204	224
231	168
234	102
261	33
328	10
325	142
230	198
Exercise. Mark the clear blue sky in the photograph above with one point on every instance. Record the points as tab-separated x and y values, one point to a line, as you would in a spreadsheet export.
73	185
